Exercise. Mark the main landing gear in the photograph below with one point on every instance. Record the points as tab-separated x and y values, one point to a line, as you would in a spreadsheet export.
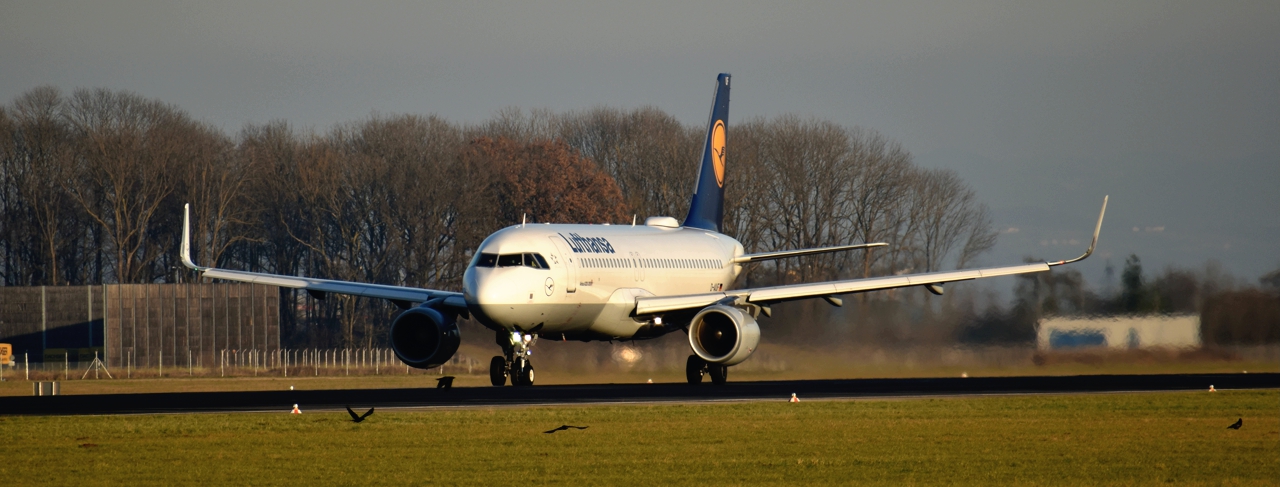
514	361
695	368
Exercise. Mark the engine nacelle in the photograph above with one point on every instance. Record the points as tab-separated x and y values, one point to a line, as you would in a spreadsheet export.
424	337
723	335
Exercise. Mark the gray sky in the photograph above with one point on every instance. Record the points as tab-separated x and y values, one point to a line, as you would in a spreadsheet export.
1172	108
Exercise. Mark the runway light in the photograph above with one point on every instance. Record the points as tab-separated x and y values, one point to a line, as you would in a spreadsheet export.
1211	389
794	398
295	410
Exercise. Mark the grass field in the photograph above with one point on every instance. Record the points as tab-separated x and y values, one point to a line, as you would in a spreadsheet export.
1097	439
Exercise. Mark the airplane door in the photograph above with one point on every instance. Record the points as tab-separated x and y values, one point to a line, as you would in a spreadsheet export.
566	259
635	262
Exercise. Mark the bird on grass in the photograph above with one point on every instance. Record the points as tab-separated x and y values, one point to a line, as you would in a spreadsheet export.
1237	425
355	418
564	427
445	382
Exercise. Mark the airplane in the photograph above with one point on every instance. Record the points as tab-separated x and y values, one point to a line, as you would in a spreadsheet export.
612	282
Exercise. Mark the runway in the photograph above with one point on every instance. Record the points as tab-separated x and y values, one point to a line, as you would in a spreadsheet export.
283	401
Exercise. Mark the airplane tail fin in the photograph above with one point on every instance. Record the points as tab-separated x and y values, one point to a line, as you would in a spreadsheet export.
706	211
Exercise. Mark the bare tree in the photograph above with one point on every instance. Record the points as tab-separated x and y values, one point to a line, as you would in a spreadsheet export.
881	172
126	145
215	180
950	216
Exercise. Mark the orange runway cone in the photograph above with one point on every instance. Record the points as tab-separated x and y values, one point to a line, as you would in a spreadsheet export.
794	398
295	410
1211	389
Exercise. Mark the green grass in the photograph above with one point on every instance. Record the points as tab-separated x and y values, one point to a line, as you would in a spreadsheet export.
1124	439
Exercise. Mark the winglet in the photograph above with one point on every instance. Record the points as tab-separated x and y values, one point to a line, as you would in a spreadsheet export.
1096	230
185	246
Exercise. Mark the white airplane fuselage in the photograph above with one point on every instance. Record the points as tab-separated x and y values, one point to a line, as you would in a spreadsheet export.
588	278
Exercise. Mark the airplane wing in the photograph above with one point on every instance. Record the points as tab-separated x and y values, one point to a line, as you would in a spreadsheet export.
401	296
765	296
797	253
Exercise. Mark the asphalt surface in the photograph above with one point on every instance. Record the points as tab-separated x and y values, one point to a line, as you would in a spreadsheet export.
283	401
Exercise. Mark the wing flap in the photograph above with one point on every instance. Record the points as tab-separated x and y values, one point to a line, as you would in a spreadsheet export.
742	259
380	291
800	291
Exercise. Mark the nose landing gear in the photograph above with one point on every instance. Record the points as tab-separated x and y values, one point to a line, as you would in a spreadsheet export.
514	361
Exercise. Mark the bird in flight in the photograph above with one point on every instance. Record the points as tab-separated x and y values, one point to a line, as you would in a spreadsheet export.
355	418
1237	425
564	427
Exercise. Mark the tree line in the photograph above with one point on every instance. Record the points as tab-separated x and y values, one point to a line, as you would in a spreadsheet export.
92	185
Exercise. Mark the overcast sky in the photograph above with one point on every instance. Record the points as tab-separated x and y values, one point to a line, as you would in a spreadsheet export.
1172	108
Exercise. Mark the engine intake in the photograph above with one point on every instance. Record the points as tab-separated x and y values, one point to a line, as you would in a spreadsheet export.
424	337
723	335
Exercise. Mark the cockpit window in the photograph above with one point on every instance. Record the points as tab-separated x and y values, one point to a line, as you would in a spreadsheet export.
532	260
486	260
536	261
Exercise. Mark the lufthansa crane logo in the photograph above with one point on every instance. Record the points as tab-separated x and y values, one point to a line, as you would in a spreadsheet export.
717	151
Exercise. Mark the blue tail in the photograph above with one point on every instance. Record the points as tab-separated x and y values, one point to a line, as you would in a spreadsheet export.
706	211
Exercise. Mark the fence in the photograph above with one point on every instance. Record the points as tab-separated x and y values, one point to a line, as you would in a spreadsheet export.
53	321
308	362
172	325
138	325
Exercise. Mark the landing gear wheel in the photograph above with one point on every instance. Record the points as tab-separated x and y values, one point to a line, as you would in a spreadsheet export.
694	369
526	374
522	373
719	373
498	371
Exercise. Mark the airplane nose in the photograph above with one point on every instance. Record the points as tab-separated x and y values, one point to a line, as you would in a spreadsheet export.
489	298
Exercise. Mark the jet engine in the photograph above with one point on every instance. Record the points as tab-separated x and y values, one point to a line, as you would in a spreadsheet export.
723	335
424	338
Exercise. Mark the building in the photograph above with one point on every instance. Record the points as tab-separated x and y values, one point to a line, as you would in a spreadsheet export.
1122	332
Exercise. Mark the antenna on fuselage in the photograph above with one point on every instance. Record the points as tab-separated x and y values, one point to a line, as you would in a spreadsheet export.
523	218
633	219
